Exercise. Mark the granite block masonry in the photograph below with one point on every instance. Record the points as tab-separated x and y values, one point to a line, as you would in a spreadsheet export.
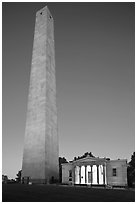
40	156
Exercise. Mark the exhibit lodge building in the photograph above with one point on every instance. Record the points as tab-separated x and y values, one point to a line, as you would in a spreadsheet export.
95	171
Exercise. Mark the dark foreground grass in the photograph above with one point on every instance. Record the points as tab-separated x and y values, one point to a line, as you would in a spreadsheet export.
47	193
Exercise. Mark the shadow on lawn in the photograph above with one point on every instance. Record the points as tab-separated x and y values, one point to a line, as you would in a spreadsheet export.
58	193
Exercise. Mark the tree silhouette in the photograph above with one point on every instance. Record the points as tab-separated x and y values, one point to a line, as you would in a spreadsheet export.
18	178
131	171
84	155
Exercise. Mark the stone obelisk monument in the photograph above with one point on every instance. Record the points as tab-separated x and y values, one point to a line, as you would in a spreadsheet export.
40	157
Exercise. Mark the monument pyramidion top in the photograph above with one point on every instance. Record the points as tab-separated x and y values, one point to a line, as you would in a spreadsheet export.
44	11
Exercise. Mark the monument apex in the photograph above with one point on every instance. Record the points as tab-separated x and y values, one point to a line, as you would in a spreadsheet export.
40	156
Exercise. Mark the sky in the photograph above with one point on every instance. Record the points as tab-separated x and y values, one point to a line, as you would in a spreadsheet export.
95	68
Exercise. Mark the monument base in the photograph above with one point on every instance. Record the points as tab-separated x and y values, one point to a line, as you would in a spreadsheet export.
28	180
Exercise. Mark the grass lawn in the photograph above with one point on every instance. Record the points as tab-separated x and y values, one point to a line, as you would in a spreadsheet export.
41	193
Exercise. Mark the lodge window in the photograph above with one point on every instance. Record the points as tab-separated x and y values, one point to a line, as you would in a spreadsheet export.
70	173
114	172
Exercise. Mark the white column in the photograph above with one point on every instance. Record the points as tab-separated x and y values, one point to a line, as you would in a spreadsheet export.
100	174
74	175
77	175
91	174
82	174
105	174
94	170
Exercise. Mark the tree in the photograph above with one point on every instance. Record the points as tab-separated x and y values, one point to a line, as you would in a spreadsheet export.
4	178
131	171
18	178
62	160
84	155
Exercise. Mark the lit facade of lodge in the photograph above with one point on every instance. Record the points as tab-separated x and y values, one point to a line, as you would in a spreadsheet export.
95	171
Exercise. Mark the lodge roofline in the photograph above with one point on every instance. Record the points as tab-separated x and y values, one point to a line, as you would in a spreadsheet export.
120	160
89	158
94	159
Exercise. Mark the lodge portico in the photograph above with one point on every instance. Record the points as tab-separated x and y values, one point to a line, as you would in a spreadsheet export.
87	171
90	174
